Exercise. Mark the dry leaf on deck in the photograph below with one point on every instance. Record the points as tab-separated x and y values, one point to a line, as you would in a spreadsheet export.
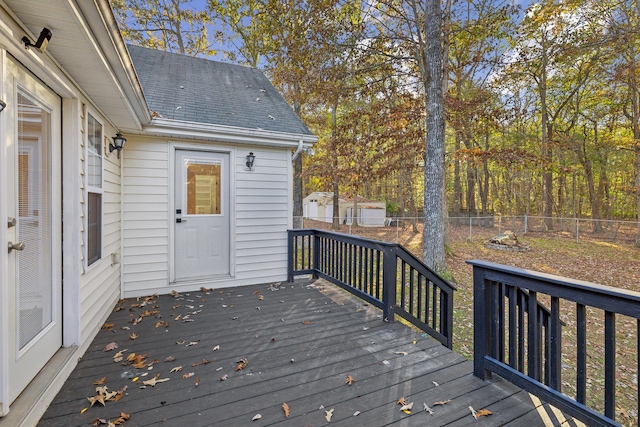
402	401
119	356
197	383
404	353
349	380
97	398
307	322
224	377
203	289
328	415
427	409
192	343
407	408
256	417
101	381
176	369
169	359
83	410
133	336
202	362
155	380
261	297
161	324
286	410
216	348
110	346
442	402
242	363
479	413
108	326
188	375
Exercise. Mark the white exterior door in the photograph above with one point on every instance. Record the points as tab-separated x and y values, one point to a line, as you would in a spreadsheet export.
202	223
33	201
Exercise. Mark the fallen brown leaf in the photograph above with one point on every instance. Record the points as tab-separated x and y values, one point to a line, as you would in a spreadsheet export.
188	375
202	362
307	322
197	383
133	336
402	401
242	363
349	380
442	402
224	377
161	324
176	369
286	410
108	326
328	415
110	346
155	380
101	381
169	359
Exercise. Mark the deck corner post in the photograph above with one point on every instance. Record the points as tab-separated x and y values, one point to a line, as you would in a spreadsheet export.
389	277
481	322
290	238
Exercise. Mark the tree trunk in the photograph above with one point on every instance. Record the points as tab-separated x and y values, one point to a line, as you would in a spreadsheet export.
457	185
433	232
335	224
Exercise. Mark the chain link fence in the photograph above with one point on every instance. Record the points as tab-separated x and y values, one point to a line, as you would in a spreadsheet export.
486	227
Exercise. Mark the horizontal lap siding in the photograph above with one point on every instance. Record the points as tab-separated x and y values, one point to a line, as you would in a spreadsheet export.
100	282
145	250
262	216
260	205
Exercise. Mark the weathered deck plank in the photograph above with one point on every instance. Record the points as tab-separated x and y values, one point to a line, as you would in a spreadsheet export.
302	341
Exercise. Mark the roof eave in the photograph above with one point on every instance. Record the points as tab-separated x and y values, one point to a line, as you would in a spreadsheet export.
210	132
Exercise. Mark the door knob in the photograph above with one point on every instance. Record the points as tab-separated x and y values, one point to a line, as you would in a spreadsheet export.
16	246
11	222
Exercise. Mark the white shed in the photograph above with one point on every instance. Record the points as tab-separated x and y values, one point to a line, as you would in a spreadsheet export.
319	206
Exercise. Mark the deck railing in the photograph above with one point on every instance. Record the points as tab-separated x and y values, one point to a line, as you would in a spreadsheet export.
508	338
384	274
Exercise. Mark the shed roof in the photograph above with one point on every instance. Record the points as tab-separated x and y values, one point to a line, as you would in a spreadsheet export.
191	89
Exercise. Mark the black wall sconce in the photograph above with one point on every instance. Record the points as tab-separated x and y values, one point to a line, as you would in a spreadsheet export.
41	43
118	143
2	104
250	159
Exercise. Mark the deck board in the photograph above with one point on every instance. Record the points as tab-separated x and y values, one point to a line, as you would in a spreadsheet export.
328	334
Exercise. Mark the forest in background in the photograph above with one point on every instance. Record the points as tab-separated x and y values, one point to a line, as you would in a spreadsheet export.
540	100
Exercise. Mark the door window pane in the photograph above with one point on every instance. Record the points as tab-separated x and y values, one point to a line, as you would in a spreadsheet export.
203	188
34	267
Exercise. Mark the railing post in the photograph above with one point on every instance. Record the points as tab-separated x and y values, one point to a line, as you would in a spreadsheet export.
290	238
481	322
389	277
316	255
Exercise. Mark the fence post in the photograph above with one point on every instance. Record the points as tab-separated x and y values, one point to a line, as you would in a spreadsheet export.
389	277
500	225
577	230
481	322
526	224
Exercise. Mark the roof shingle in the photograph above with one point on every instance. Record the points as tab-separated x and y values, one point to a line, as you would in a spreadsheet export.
180	87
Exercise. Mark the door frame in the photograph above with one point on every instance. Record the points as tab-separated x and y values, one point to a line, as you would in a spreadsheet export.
231	151
42	68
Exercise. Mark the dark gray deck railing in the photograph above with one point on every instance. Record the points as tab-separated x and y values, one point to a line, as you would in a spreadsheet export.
384	274
508	339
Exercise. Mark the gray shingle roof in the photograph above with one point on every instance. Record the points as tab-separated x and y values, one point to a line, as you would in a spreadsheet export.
181	87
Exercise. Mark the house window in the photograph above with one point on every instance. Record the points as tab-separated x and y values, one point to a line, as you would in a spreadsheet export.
94	190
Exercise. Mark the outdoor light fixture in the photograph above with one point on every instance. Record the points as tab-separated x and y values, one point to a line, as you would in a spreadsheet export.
118	143
2	104
41	43
250	158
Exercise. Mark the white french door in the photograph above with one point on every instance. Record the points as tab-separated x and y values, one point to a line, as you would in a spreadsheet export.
34	225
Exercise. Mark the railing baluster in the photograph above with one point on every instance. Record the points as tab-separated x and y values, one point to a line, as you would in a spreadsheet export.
420	311
581	353
521	330
610	364
411	291
513	331
502	293
533	350
403	283
555	346
496	327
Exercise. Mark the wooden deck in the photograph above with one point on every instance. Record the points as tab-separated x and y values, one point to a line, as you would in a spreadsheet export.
301	342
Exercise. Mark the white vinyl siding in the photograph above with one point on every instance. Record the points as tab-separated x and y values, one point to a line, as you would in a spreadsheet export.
260	210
